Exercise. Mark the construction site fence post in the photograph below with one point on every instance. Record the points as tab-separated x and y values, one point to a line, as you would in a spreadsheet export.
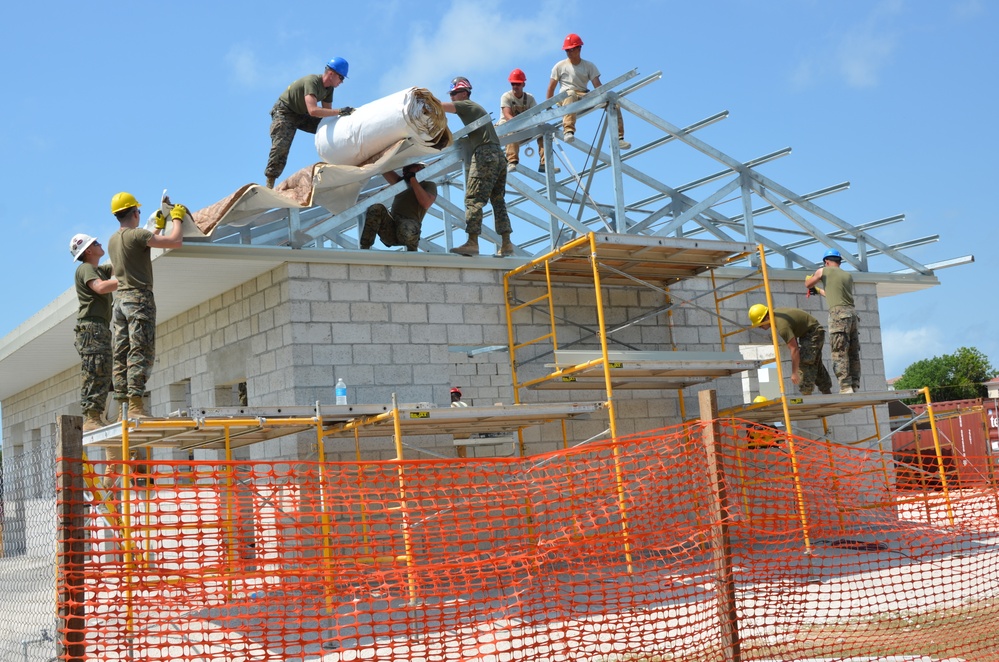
71	540
721	543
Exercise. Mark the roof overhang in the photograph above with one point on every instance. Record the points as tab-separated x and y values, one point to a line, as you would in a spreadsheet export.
186	277
887	284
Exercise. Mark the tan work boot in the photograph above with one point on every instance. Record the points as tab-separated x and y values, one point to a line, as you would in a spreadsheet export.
136	407
506	248
92	421
470	247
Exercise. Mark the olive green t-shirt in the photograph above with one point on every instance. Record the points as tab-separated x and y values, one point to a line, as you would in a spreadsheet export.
92	304
838	285
469	111
128	249
294	96
793	323
405	205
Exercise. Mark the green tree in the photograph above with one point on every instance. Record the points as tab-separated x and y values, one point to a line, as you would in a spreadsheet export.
956	376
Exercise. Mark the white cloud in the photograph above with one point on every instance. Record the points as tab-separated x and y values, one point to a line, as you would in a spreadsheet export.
249	71
471	38
858	54
243	65
903	347
867	49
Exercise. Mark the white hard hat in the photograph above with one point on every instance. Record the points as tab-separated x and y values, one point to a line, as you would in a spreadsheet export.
79	243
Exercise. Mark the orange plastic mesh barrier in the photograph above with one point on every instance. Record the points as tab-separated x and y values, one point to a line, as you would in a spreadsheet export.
604	552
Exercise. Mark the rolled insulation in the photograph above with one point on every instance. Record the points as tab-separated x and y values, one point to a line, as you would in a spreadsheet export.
414	114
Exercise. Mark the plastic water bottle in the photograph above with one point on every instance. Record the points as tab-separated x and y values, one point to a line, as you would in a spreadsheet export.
341	392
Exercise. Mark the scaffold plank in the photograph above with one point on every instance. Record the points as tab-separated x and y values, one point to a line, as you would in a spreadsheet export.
812	407
465	420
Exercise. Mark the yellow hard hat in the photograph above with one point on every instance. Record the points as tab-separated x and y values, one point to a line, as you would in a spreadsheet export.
756	313
122	201
760	398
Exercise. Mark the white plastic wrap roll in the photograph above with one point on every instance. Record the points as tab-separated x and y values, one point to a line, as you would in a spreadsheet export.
413	114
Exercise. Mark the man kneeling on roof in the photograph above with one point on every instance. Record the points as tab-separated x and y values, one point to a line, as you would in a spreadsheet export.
402	225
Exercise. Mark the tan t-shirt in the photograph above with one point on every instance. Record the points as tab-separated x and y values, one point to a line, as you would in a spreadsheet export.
516	106
574	77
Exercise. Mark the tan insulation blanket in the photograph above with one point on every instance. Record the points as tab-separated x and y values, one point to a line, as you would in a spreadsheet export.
333	187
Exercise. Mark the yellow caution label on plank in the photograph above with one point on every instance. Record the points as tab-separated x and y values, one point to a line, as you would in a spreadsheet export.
616	364
419	414
568	379
795	401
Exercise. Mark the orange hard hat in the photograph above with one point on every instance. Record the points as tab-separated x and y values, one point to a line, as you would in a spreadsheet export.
572	40
517	76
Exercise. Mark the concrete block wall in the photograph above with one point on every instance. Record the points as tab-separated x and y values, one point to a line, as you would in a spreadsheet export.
404	330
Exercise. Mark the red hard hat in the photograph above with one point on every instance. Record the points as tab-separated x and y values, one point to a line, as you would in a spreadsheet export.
455	389
572	40
517	76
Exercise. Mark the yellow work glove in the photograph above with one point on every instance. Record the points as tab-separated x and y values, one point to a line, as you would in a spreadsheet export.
159	219
178	212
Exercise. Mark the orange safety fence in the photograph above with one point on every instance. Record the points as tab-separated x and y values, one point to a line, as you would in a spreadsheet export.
607	551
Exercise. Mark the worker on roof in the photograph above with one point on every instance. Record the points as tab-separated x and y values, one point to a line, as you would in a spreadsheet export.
573	74
804	337
513	102
844	334
94	284
402	225
300	108
134	313
485	179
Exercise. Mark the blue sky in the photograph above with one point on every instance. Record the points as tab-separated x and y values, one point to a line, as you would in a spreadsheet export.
895	96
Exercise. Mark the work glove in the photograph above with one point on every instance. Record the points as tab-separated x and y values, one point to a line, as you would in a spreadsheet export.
346	110
178	212
159	219
408	175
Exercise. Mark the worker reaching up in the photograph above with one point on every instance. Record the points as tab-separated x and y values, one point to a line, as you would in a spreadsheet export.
134	313
844	333
400	226
486	173
574	74
300	108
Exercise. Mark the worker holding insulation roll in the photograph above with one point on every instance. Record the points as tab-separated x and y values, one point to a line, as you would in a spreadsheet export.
400	226
300	108
486	179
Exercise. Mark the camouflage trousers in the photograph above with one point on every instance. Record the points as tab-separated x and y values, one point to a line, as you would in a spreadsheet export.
93	343
284	124
378	220
813	370
486	183
133	327
844	341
